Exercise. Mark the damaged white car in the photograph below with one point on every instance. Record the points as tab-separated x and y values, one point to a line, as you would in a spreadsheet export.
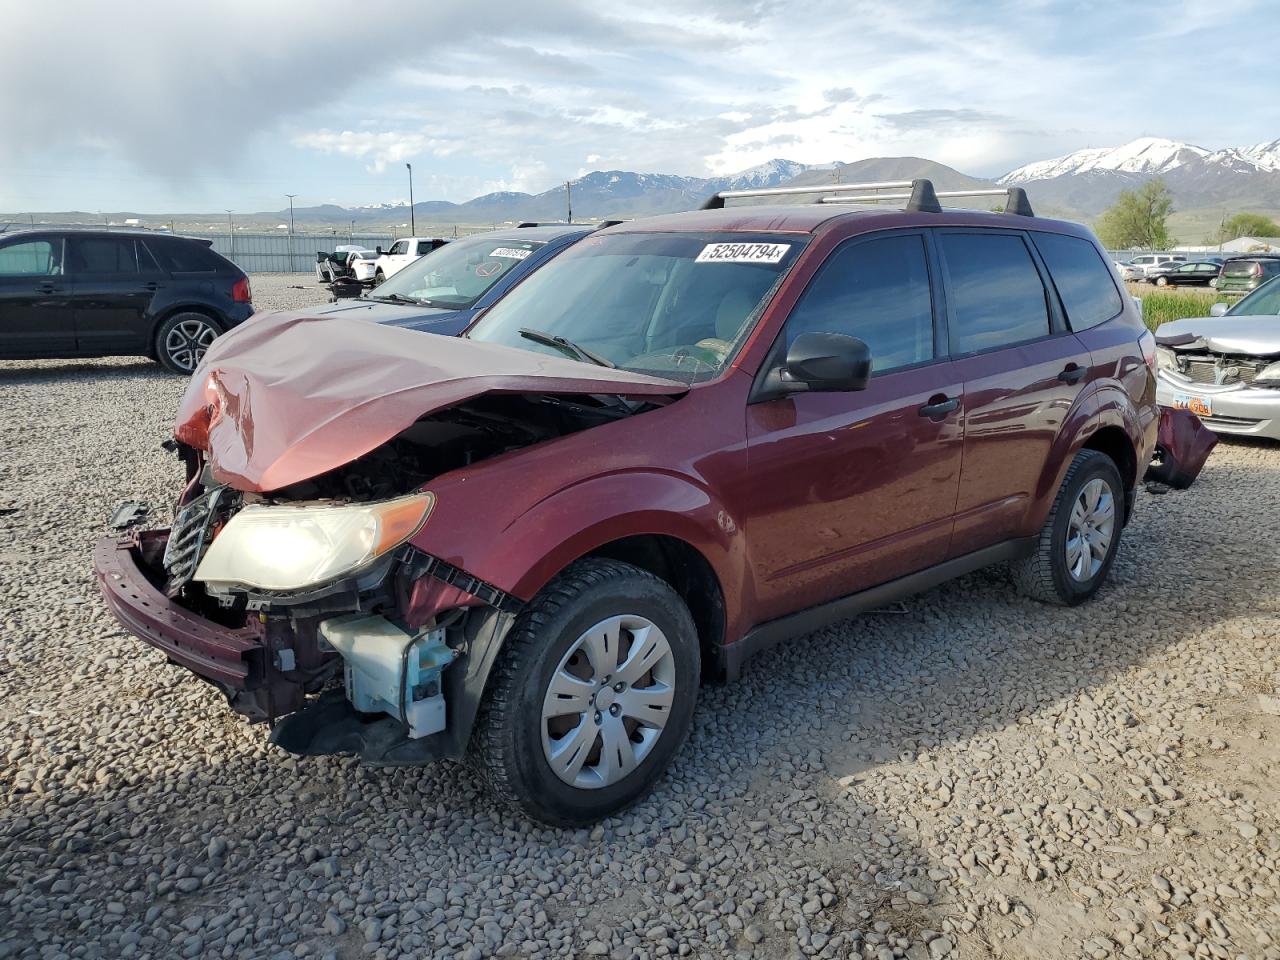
1225	368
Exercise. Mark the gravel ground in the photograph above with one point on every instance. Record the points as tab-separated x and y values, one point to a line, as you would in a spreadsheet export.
971	775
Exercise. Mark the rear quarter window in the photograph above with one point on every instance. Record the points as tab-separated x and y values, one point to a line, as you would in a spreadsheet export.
187	257
1082	278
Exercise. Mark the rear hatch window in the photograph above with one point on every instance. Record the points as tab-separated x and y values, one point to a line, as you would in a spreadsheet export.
189	257
1241	268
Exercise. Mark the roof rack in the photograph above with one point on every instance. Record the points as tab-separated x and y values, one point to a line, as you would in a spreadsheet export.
922	198
542	223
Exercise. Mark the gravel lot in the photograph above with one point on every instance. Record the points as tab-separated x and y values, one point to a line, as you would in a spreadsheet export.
971	775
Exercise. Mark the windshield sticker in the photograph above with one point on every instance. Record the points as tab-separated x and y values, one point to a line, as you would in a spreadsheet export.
743	252
511	253
489	268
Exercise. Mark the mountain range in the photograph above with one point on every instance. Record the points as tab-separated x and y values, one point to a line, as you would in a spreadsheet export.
1205	184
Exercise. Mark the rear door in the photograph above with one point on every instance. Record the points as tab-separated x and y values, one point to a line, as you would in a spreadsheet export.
112	295
35	304
855	489
1022	371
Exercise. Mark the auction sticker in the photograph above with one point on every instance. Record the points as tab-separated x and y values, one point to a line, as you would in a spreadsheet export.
511	253
743	253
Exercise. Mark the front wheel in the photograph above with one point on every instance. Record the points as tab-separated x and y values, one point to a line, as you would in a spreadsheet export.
1162	281
1079	539
183	339
378	277
592	694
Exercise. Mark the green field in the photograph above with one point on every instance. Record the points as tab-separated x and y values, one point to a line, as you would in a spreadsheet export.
1172	303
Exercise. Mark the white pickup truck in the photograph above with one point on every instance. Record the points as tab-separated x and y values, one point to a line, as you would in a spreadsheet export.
402	253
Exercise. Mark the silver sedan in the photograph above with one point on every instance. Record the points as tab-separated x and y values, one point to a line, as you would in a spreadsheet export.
1225	368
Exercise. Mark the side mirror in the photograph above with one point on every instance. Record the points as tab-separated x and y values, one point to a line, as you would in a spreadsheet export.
1218	310
822	363
378	251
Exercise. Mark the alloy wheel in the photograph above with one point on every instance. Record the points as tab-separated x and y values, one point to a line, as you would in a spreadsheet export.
186	343
608	702
1090	529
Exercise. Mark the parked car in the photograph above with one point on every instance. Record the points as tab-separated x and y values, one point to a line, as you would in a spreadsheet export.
681	441
341	263
1130	271
402	253
97	293
1225	368
1147	262
443	291
1241	275
1198	273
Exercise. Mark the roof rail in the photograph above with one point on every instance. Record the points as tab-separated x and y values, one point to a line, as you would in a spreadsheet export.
608	223
922	198
716	201
542	223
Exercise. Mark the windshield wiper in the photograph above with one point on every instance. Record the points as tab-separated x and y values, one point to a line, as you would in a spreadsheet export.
395	298
565	344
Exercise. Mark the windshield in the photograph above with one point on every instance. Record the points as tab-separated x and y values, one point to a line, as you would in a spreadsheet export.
1265	300
1241	268
457	275
675	305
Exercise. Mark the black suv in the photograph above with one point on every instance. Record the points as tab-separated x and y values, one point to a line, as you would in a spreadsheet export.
85	293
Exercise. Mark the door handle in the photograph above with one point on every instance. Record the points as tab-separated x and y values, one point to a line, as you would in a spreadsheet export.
152	285
1073	373
939	406
45	288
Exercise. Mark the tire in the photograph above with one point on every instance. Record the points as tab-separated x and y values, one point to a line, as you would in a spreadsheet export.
1162	281
378	277
561	635
182	340
1046	574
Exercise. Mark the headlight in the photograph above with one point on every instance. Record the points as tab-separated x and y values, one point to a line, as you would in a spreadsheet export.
289	548
1268	376
1166	359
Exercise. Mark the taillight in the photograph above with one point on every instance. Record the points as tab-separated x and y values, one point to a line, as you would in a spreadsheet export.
1147	343
240	291
1255	270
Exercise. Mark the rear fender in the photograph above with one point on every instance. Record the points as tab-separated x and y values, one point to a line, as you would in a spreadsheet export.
1101	405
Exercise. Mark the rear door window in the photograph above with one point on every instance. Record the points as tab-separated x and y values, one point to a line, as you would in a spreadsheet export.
1082	277
994	294
102	255
877	291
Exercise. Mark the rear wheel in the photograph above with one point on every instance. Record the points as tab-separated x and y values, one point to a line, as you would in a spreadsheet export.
182	340
592	695
1078	542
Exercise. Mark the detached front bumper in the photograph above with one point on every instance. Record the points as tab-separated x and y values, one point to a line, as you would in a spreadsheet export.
227	657
1232	408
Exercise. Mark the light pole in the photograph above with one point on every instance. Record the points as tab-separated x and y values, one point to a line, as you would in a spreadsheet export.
231	232
568	199
413	227
291	196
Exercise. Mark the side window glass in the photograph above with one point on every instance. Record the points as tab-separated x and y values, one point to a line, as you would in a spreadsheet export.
103	255
878	291
35	258
994	291
1082	277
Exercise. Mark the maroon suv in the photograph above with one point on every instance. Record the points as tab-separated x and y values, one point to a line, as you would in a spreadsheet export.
682	441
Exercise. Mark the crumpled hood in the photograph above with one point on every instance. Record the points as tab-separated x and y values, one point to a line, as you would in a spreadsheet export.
286	397
1250	335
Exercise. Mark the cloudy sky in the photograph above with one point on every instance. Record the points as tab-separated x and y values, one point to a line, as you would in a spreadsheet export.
163	106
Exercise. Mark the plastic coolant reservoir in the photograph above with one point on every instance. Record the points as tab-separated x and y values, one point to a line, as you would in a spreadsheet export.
389	670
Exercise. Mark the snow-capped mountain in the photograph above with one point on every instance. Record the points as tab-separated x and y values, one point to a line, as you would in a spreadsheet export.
1146	155
1087	181
394	204
768	174
1265	156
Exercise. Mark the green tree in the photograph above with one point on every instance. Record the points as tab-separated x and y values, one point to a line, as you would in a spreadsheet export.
1249	225
1138	218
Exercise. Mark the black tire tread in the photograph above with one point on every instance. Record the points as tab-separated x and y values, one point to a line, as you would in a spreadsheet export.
157	341
491	753
1033	575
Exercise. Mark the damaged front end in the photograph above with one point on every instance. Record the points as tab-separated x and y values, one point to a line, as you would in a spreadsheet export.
294	578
